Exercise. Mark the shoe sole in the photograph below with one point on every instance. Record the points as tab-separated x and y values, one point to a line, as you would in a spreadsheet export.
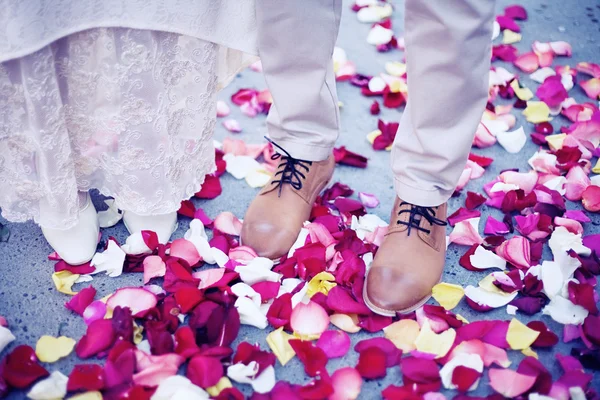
393	313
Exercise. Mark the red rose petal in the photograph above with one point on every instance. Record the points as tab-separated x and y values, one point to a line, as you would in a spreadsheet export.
464	377
372	363
211	188
86	377
313	357
187	298
474	200
346	157
341	301
21	367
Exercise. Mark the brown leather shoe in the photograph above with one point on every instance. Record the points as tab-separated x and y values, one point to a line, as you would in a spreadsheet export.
275	217
410	261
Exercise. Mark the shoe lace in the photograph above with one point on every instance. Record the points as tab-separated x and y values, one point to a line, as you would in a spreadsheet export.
416	213
291	173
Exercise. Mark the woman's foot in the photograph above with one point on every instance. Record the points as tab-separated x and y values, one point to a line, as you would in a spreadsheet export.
163	225
77	245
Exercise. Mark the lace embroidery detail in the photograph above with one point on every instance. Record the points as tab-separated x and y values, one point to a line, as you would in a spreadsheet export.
129	112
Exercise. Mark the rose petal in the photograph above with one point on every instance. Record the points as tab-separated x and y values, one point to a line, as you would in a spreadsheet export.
137	300
590	198
510	383
186	250
334	343
447	295
223	109
372	363
346	383
86	377
527	62
21	367
110	216
278	341
437	344
485	299
368	200
484	259
309	320
64	280
204	371
473	362
466	232
513	141
403	334
516	251
53	387
591	88
519	336
50	349
178	387
110	261
80	301
345	323
232	125
563	311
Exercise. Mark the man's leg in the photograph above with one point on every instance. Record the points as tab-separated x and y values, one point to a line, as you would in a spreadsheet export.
295	42
448	61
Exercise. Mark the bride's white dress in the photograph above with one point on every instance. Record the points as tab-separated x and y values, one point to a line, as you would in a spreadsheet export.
113	95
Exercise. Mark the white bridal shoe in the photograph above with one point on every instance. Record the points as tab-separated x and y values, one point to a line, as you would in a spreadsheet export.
164	225
77	245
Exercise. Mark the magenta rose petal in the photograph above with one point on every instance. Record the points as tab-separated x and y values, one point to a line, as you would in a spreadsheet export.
204	371
334	343
313	357
81	300
100	336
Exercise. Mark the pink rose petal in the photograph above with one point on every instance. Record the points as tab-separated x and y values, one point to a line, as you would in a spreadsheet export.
346	383
228	223
516	251
154	267
466	232
137	300
232	125
527	62
309	319
510	383
368	200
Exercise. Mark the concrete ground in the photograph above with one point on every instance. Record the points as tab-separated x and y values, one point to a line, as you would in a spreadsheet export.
33	307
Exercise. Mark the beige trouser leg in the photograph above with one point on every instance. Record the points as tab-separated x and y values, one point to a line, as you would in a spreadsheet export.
295	41
448	61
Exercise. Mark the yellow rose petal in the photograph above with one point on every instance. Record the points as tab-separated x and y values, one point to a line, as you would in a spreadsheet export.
138	333
395	68
64	280
519	336
322	282
50	349
347	323
511	37
279	342
461	318
529	352
555	142
430	342
403	334
224	383
87	396
522	93
447	294
373	135
536	112
596	169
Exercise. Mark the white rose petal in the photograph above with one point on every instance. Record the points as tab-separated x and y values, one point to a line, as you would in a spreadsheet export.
512	141
110	261
6	337
563	311
109	217
52	388
178	387
379	35
484	259
472	361
258	270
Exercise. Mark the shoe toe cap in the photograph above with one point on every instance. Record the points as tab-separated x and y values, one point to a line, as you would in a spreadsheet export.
267	239
390	290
